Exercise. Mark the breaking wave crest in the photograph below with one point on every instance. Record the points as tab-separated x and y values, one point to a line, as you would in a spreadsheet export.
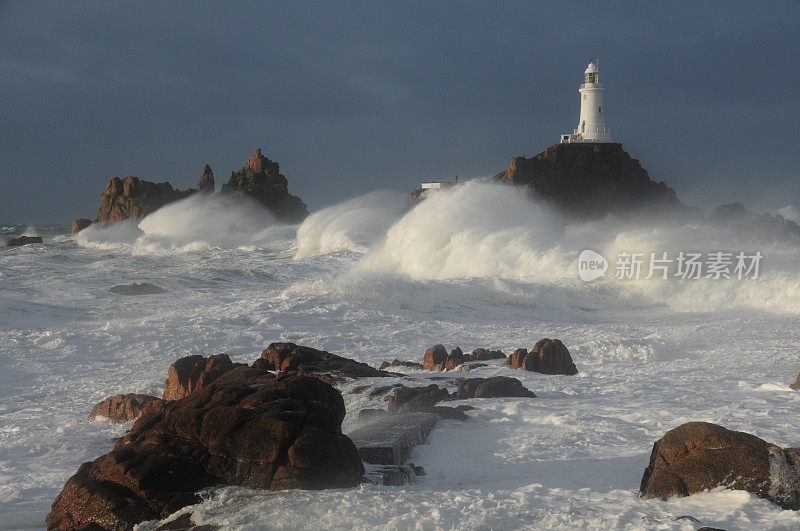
353	225
484	231
198	222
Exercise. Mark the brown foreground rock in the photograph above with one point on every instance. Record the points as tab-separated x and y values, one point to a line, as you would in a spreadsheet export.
297	358
549	356
494	387
436	358
23	240
125	408
283	434
698	456
193	372
398	363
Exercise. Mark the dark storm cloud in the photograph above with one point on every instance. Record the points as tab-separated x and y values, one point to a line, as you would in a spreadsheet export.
352	97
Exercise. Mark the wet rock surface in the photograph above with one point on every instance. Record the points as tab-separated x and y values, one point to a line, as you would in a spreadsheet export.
494	387
283	434
194	372
699	456
436	358
397	363
548	356
291	357
23	240
119	409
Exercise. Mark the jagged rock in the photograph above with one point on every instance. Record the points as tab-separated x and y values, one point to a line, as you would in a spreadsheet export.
416	398
699	456
469	366
291	357
23	240
134	198
206	182
125	408
260	178
494	387
78	224
796	384
437	358
590	180
397	363
285	434
434	357
549	356
482	354
194	372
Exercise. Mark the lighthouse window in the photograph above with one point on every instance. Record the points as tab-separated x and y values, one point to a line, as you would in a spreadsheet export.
584	96
600	110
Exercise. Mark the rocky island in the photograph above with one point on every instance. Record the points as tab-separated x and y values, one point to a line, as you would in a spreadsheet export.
260	179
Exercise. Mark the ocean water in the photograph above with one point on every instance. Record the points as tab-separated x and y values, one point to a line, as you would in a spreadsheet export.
478	266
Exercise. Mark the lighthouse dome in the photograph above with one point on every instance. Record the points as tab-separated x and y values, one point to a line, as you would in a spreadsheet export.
591	69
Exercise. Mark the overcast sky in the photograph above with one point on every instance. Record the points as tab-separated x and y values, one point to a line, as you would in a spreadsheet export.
352	97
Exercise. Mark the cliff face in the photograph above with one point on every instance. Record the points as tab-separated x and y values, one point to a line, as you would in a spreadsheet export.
261	179
590	180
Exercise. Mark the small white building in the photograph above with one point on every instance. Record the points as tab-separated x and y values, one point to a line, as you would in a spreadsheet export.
592	124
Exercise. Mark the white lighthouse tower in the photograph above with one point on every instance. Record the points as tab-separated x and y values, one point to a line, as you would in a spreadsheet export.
592	125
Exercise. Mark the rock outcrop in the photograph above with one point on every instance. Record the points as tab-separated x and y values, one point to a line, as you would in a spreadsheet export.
416	398
549	356
295	358
398	363
131	197
134	198
283	434
206	183
436	358
699	456
119	409
260	178
78	224
23	240
194	372
591	180
494	387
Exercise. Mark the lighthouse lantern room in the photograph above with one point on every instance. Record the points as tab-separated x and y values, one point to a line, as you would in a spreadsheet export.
591	125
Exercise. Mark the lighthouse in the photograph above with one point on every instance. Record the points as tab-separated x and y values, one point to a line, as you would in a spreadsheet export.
591	125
